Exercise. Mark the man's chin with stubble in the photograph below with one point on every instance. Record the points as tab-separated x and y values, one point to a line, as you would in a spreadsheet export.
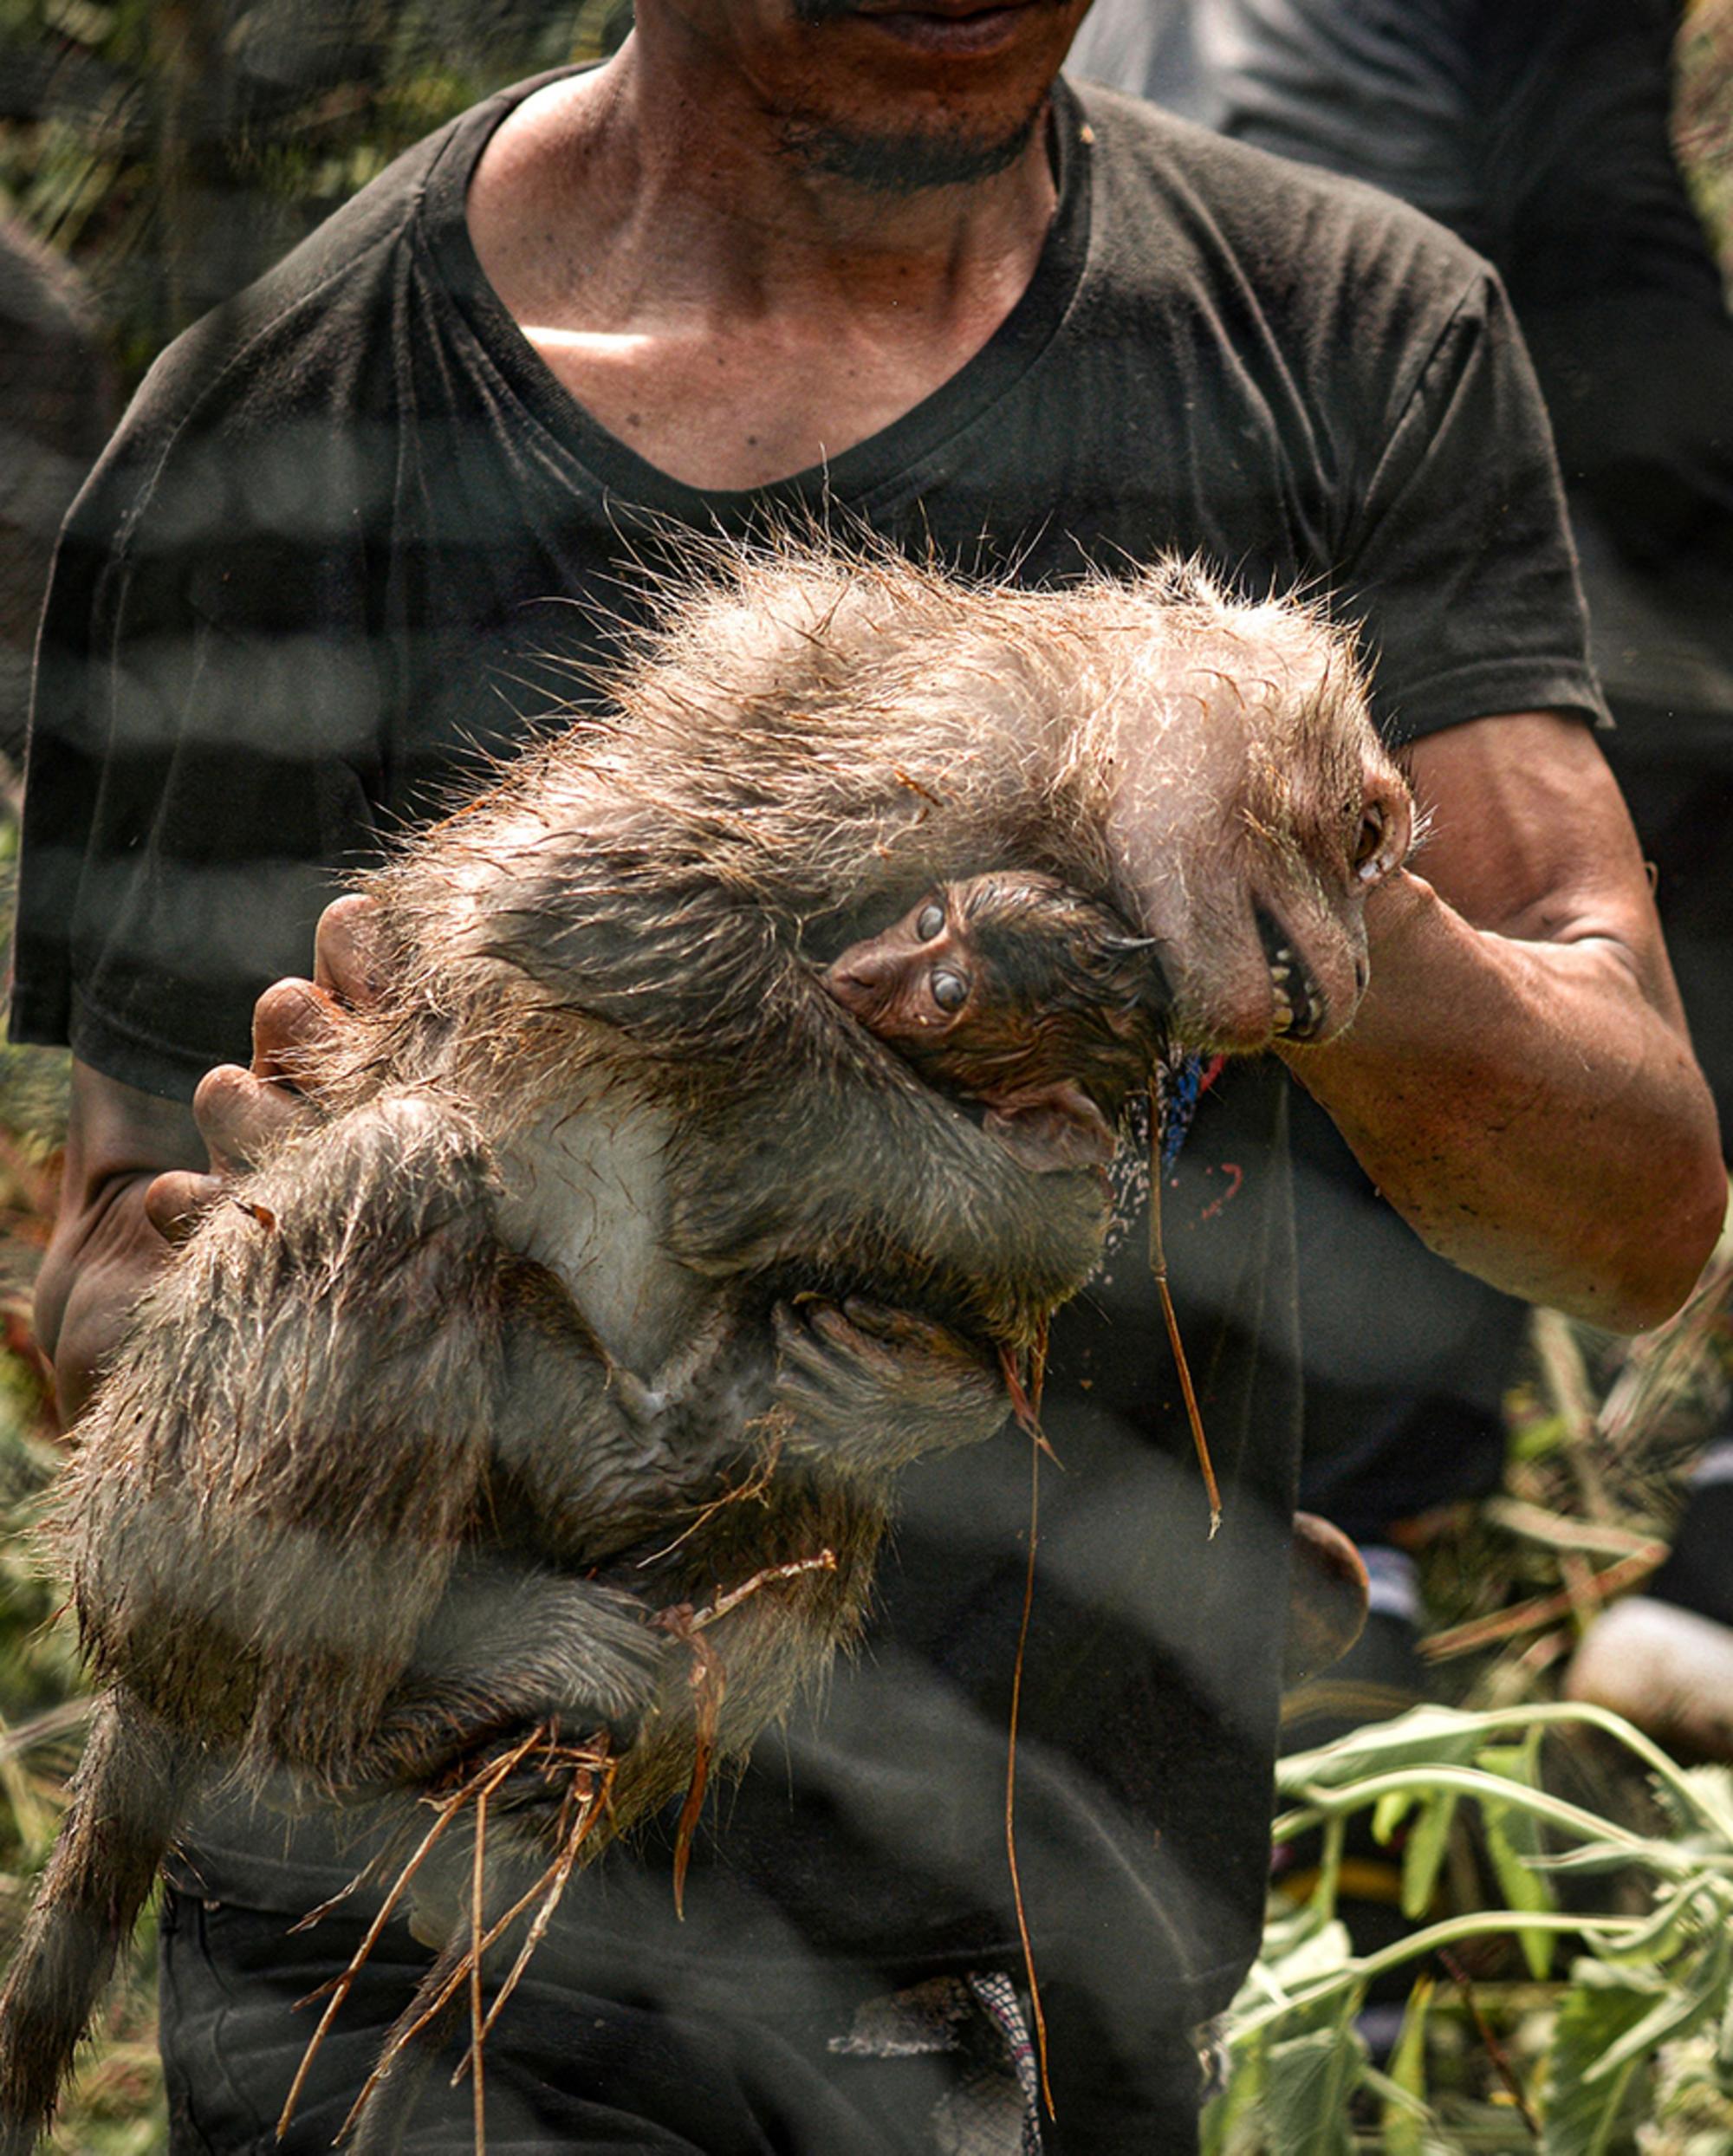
956	142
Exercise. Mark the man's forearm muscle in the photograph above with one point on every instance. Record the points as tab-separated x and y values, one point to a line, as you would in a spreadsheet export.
1519	1081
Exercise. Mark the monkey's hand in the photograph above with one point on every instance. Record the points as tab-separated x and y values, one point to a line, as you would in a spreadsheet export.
869	1389
241	1113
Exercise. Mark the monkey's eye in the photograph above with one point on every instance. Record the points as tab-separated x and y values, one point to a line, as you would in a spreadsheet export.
950	990
1368	839
928	921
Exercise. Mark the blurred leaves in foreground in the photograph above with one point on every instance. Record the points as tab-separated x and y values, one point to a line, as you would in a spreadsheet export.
174	149
1569	1967
1613	2032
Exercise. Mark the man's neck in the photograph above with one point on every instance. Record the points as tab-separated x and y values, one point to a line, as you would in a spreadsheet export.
732	310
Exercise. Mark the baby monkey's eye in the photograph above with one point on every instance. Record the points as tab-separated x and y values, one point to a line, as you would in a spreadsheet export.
950	990
928	921
1369	837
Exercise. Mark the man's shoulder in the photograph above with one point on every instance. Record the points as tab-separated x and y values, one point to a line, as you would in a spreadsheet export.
313	336
1283	226
309	298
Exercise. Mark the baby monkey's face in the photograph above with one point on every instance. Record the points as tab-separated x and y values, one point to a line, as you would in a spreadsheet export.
1002	982
914	985
1015	993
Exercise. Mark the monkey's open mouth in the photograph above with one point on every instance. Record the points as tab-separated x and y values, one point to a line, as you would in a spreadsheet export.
1299	1007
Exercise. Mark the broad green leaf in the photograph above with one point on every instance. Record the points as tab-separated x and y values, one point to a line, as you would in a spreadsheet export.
1390	1810
1712	1787
1285	1925
1425	1736
1674	1923
1519	1762
1332	1847
1239	2103
1510	1836
1307	2090
1397	2101
1701	1992
1326	1952
1319	1953
1586	2118
1404	2096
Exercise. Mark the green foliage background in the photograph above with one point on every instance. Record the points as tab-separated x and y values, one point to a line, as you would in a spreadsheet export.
174	149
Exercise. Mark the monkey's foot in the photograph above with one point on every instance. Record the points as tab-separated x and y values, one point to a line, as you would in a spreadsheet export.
869	1389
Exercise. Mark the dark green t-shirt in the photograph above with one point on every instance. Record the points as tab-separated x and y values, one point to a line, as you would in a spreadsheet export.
334	554
335	548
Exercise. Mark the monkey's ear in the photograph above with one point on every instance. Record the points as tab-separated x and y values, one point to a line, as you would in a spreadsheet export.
1052	1128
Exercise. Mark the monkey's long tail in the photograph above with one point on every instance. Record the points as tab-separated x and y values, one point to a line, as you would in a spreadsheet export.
126	1803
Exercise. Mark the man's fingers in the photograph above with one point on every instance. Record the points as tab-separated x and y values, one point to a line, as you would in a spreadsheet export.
239	1116
174	1203
294	1024
346	961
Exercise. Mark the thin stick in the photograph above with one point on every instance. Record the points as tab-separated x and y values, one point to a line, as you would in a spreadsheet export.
1011	1783
755	1486
477	1916
492	1775
1158	1266
341	1987
1495	2050
317	1916
452	1984
1026	1402
709	1679
824	1561
1510	1624
561	1872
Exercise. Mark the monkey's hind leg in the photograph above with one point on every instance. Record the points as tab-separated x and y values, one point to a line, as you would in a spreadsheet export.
515	1645
127	1799
278	1474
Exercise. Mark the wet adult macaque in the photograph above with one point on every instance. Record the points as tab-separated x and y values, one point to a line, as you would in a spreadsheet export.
631	1231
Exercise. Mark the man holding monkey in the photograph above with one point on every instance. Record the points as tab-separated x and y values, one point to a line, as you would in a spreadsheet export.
832	256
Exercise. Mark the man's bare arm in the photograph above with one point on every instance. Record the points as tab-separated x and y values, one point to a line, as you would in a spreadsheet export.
104	1250
1519	1081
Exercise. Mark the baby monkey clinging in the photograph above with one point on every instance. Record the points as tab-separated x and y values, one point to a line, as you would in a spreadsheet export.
1012	991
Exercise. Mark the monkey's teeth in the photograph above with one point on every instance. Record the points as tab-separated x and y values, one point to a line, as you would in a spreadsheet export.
1294	1003
1281	972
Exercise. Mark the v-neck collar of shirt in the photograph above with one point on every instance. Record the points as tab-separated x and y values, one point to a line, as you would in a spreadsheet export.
851	477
